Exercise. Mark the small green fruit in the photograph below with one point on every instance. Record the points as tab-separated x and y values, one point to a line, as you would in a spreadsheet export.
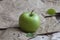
51	12
29	21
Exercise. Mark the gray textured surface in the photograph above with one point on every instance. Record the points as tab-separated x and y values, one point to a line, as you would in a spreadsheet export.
10	11
56	36
44	37
14	34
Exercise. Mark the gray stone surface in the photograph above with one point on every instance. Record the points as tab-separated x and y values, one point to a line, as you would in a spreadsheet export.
14	34
44	37
10	10
17	34
1	32
56	36
52	2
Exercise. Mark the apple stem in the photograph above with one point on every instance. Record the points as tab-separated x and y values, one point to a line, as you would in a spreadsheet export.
31	12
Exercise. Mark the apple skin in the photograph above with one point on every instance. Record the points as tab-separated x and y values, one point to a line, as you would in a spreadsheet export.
51	11
29	23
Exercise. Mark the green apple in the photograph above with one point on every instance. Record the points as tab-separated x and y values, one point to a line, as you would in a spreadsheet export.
29	21
51	11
